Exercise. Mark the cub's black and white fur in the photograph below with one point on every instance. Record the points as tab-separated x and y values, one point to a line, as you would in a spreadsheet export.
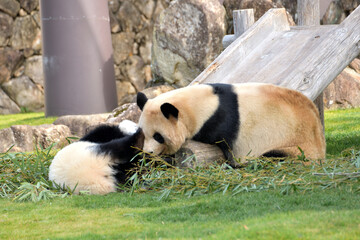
98	161
250	119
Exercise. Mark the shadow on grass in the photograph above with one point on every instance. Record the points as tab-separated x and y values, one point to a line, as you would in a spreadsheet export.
222	207
251	205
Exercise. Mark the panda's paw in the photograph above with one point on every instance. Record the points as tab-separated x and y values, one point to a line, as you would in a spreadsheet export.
128	127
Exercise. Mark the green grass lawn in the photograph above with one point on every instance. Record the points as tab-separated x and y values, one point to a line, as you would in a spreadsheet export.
25	118
342	130
277	201
331	214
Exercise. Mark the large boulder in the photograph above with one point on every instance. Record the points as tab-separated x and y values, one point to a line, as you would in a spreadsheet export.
34	69
7	106
187	38
25	93
25	33
23	135
25	138
9	60
10	7
7	139
29	5
344	91
78	124
260	8
128	111
6	25
48	134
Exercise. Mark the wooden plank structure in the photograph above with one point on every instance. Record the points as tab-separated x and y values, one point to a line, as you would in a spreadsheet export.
306	58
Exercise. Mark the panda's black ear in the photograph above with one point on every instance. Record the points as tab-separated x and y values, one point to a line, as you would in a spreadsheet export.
169	110
141	99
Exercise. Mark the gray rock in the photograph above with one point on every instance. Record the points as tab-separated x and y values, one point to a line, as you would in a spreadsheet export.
128	111
334	14
6	25
145	52
79	123
25	93
7	106
37	18
113	5
25	33
10	59
11	7
260	6
24	140
47	134
350	5
156	91
129	17
34	69
114	24
146	7
29	5
135	72
355	64
122	45
7	139
344	91
125	91
187	38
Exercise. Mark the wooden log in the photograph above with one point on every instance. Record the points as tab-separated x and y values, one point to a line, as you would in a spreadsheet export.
303	58
338	48
308	12
242	20
225	64
309	15
193	154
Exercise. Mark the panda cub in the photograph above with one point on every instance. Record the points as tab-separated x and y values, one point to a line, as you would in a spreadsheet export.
98	161
251	119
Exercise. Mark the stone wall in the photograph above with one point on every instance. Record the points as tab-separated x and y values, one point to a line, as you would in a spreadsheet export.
132	22
21	76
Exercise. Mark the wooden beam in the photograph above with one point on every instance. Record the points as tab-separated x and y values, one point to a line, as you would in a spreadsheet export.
338	48
303	58
309	15
274	20
308	12
193	154
242	20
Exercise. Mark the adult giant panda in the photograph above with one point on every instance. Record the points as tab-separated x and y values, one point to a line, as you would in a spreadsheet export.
98	161
251	119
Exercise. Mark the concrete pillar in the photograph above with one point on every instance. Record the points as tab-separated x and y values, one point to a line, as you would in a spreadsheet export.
77	57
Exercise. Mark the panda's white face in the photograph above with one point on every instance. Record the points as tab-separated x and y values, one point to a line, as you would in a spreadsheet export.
162	135
172	117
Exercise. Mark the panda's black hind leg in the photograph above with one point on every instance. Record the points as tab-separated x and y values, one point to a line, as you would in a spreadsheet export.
275	154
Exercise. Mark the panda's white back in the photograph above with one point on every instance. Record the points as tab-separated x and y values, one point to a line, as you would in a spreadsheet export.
79	165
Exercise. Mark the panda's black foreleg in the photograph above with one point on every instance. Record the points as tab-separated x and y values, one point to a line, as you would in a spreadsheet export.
229	156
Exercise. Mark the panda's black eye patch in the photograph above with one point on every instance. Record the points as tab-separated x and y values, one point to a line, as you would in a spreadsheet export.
159	138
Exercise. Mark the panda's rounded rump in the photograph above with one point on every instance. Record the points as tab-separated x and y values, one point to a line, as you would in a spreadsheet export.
78	165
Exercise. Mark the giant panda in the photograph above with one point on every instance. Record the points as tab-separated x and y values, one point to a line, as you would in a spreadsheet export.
99	160
251	119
